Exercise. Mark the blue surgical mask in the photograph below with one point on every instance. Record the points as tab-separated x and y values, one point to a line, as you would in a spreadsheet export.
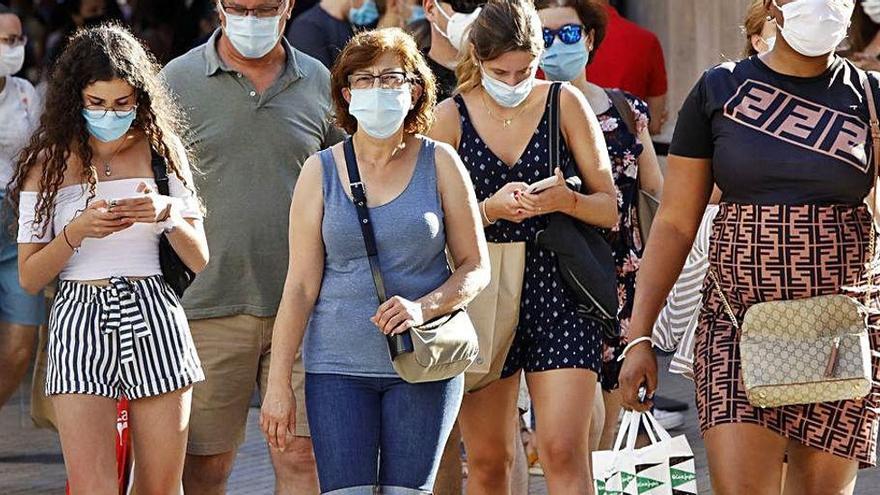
365	15
380	112
108	126
416	14
563	62
506	95
252	36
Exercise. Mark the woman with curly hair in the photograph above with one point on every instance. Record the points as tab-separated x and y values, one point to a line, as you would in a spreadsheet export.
90	215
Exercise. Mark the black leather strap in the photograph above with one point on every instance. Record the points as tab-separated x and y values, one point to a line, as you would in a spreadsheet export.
160	173
359	195
555	134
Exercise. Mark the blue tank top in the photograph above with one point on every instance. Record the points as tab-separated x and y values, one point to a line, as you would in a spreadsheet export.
411	239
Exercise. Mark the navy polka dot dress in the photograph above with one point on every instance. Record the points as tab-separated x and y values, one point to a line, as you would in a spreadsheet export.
550	335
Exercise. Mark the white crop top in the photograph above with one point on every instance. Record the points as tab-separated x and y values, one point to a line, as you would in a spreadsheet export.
133	252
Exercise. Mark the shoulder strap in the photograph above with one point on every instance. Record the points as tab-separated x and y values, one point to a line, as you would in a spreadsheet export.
875	131
160	173
359	195
555	134
618	99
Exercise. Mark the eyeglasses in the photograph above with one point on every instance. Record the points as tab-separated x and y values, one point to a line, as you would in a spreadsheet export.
568	34
101	112
387	80
13	41
258	12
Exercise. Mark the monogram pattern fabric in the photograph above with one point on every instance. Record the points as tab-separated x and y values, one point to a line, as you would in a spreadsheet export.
765	253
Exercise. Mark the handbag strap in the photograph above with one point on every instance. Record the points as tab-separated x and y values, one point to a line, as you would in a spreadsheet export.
620	103
872	239
160	173
555	135
359	195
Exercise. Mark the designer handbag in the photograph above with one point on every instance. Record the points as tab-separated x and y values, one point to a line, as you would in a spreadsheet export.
175	272
585	259
437	350
814	349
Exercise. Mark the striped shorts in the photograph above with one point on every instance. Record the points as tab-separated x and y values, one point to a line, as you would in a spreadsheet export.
129	338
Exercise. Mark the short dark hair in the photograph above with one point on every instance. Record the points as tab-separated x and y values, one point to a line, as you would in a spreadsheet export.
464	6
5	10
592	14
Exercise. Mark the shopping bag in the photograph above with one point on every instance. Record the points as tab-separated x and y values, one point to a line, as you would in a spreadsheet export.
627	470
124	462
495	313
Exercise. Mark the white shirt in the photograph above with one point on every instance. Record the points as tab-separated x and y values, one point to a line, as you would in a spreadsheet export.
133	252
19	116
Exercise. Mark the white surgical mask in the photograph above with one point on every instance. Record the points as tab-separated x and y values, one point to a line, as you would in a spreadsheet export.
872	9
770	42
815	27
11	59
457	26
506	95
252	36
380	112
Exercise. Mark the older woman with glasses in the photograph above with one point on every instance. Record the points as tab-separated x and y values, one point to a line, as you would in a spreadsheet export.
369	427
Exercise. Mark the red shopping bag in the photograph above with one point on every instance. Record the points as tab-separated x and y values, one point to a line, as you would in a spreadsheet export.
123	448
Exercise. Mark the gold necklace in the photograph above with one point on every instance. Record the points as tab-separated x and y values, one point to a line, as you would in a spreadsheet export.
506	122
107	171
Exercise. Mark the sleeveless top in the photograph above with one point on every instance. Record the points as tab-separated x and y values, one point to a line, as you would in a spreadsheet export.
411	239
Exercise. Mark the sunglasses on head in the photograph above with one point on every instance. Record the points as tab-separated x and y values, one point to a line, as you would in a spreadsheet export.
568	34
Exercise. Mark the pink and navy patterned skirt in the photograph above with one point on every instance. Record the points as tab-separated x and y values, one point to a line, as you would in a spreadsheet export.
768	253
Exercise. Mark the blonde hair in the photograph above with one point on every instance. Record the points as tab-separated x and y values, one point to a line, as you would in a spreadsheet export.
503	26
756	17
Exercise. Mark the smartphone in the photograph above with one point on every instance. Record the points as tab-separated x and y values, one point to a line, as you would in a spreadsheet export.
542	185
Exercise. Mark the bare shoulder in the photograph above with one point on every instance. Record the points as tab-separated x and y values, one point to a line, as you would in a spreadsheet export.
571	96
31	182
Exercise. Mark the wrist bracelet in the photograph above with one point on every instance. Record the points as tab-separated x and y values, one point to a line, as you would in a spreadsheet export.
67	240
633	344
485	215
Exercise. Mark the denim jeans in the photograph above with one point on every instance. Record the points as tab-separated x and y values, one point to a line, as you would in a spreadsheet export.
383	433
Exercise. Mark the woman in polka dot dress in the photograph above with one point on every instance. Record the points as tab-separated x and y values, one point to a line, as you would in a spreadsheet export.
499	124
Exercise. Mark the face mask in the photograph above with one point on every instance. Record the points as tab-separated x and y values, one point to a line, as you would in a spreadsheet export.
416	14
505	95
108	126
252	36
11	59
872	9
563	62
365	15
457	26
770	42
380	112
815	27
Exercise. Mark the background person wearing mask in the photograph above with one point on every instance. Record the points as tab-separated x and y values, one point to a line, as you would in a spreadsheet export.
449	23
795	200
631	59
258	108
759	30
863	42
20	313
324	30
573	31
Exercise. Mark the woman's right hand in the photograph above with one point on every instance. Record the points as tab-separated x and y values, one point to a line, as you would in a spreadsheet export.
639	370
505	204
278	415
97	221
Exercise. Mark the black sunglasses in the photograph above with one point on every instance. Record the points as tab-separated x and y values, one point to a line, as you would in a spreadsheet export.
568	34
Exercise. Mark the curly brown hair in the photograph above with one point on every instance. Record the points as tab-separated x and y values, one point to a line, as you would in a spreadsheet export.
363	51
100	53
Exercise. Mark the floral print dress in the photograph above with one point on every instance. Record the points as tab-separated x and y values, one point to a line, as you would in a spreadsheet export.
624	149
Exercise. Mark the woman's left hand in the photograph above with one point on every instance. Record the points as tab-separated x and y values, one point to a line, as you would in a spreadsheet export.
397	315
550	200
148	208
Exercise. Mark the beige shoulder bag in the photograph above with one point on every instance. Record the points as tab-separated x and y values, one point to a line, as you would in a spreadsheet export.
809	350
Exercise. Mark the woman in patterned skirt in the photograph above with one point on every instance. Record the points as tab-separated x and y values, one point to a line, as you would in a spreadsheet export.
791	225
499	124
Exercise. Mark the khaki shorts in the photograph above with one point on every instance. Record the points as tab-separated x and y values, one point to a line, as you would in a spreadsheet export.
235	352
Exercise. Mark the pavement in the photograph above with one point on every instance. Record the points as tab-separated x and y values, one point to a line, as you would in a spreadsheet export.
31	461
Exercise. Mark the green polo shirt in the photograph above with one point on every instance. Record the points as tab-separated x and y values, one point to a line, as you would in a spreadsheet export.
248	149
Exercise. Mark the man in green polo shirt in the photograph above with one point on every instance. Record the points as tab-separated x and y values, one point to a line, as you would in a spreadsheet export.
257	108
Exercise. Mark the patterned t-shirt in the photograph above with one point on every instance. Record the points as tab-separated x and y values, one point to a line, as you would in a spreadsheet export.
780	139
